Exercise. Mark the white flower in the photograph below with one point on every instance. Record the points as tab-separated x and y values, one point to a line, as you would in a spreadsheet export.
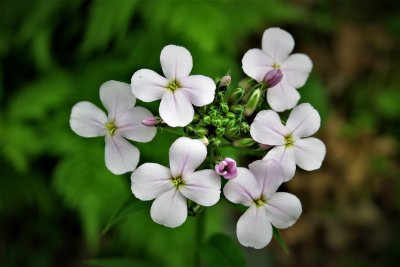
171	187
123	121
178	91
290	145
277	44
256	189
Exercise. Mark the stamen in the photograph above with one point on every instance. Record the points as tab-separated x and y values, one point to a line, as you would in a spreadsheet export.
174	85
112	128
259	202
289	140
177	181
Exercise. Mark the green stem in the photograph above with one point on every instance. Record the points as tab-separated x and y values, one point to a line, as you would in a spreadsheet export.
200	226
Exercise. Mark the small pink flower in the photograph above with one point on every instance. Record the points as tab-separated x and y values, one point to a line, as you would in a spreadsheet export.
150	121
227	168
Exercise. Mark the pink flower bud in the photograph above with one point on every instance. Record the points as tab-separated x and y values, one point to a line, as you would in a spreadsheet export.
273	77
225	81
150	121
227	168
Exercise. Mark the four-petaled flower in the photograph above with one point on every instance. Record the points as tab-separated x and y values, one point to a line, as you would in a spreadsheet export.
290	145
178	91
123	121
171	187
277	44
256	188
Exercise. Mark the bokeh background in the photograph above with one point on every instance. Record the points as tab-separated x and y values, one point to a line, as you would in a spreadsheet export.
56	196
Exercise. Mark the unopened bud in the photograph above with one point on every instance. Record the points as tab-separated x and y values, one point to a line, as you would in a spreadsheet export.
151	121
227	168
237	109
220	131
273	77
201	131
244	142
225	81
224	107
207	120
253	102
204	140
232	131
236	95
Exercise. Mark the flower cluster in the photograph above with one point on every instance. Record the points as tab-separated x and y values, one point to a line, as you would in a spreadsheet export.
213	115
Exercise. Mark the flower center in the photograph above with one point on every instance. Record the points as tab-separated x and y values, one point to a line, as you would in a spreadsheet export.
276	66
173	85
289	140
111	127
259	202
177	181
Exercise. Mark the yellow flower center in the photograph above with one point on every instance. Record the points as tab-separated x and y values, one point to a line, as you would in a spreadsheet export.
289	140
276	66
177	181
111	127
173	85
259	202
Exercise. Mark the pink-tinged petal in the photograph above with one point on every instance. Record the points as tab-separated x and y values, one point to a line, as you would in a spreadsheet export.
309	153
185	155
256	64
203	187
296	68
269	174
244	189
131	127
282	96
199	89
278	44
87	120
283	209
303	120
120	155
176	62
268	129
150	180
176	109
116	97
285	156
253	228
148	85
169	209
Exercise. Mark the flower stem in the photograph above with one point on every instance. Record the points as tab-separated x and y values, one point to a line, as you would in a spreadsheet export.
199	238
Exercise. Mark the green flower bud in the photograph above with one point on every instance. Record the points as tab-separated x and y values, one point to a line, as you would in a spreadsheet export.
237	109
220	131
224	107
245	126
231	124
236	95
217	123
201	131
232	131
253	102
244	142
206	120
215	141
231	116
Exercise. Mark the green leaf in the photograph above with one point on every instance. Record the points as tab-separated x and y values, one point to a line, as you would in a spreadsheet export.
116	262
221	250
279	239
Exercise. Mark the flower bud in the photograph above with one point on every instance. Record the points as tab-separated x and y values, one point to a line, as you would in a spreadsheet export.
236	95
232	131
207	120
244	142
237	109
225	81
224	107
201	131
204	140
273	77
220	131
151	121
253	102
227	168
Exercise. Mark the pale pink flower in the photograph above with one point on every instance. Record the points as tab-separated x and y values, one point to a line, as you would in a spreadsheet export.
256	188
170	187
227	168
124	121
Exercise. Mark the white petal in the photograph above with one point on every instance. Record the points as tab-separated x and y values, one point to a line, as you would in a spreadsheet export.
303	120
116	97
269	174
150	180
283	209
120	155
267	128
185	155
254	229
309	153
169	209
244	189
131	127
87	120
282	96
285	156
176	62
203	187
199	89
278	44
176	109
148	85
296	68
256	63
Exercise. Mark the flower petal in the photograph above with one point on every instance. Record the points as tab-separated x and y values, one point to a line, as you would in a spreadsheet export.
120	155
278	44
296	68
131	127
283	209
282	96
309	153
176	62
256	64
148	85
199	89
269	174
267	128
285	156
116	97
303	120
185	155
244	189
203	187
87	120
150	180
176	109
253	228
169	209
